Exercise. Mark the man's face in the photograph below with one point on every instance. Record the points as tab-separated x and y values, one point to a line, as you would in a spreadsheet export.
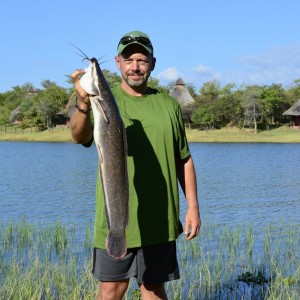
135	65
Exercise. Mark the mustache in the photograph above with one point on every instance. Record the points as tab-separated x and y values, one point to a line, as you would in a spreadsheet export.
135	73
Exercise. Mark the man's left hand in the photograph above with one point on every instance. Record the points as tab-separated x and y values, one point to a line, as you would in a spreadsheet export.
192	223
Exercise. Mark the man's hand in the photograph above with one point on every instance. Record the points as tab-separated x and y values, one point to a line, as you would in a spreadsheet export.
81	126
192	223
82	94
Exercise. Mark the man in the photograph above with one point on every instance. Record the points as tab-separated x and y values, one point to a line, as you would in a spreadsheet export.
158	156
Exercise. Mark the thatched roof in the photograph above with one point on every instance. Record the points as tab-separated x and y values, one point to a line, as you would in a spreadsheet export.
180	92
69	108
15	114
294	110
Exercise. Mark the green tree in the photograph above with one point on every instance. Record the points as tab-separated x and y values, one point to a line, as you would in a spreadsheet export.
112	78
209	92
203	117
252	105
293	92
229	106
40	109
50	102
192	90
274	103
237	108
218	106
10	101
154	84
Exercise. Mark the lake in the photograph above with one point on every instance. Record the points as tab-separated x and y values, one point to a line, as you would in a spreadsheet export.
253	184
241	186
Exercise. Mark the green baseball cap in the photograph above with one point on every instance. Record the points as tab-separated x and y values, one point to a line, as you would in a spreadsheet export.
135	37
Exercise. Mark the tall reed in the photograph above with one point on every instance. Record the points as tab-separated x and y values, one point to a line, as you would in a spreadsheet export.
54	262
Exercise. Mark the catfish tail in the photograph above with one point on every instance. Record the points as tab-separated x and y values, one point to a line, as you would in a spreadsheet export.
116	245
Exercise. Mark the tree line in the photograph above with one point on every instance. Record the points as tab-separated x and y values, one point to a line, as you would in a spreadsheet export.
251	106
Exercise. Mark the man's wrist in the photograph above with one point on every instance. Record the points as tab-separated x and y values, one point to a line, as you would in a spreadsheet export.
85	109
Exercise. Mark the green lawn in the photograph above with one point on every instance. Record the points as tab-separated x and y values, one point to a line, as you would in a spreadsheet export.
234	135
226	135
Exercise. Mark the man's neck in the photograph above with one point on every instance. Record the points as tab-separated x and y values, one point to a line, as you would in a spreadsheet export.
134	91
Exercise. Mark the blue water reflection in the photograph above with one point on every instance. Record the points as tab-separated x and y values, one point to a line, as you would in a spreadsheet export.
237	183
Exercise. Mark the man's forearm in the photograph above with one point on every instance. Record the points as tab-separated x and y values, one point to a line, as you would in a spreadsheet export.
81	127
188	182
187	179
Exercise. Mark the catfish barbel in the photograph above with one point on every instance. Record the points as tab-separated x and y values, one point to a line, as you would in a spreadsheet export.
110	139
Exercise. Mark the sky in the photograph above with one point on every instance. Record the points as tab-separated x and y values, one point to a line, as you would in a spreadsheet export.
234	41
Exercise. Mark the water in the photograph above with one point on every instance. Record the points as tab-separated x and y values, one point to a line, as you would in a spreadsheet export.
47	182
248	183
251	184
237	183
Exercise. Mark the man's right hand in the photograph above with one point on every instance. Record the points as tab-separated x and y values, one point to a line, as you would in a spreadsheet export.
80	123
83	96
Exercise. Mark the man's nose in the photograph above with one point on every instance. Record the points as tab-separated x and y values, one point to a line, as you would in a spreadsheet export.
134	65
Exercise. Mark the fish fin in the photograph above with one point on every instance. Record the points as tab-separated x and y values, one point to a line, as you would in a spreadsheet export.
116	245
99	153
101	110
125	139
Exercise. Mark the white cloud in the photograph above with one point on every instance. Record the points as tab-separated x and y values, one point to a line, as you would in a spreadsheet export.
169	74
274	65
276	56
204	70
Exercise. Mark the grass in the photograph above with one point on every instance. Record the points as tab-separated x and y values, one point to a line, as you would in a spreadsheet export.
45	262
283	134
54	262
226	135
58	134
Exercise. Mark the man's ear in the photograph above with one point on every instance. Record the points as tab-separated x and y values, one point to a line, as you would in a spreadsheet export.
153	63
117	60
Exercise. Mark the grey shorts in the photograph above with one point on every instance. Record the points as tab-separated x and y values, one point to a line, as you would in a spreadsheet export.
151	265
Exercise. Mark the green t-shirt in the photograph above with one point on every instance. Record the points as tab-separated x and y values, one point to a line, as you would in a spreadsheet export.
155	137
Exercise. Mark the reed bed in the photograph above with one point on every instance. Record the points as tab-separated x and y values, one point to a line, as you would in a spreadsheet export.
54	262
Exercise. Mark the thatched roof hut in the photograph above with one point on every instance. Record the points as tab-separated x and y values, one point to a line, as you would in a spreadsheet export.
69	108
294	111
15	115
180	92
62	118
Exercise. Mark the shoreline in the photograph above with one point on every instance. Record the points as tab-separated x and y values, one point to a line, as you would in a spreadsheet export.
226	135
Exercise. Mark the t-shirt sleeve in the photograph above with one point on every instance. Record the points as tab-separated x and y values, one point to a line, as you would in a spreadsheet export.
182	144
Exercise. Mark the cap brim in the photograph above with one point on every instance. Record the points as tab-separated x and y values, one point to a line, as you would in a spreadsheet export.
122	47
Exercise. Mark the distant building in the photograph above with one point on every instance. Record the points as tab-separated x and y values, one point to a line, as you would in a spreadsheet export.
63	117
180	92
32	92
70	106
15	115
294	112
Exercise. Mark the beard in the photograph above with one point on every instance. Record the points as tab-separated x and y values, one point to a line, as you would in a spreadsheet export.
136	83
